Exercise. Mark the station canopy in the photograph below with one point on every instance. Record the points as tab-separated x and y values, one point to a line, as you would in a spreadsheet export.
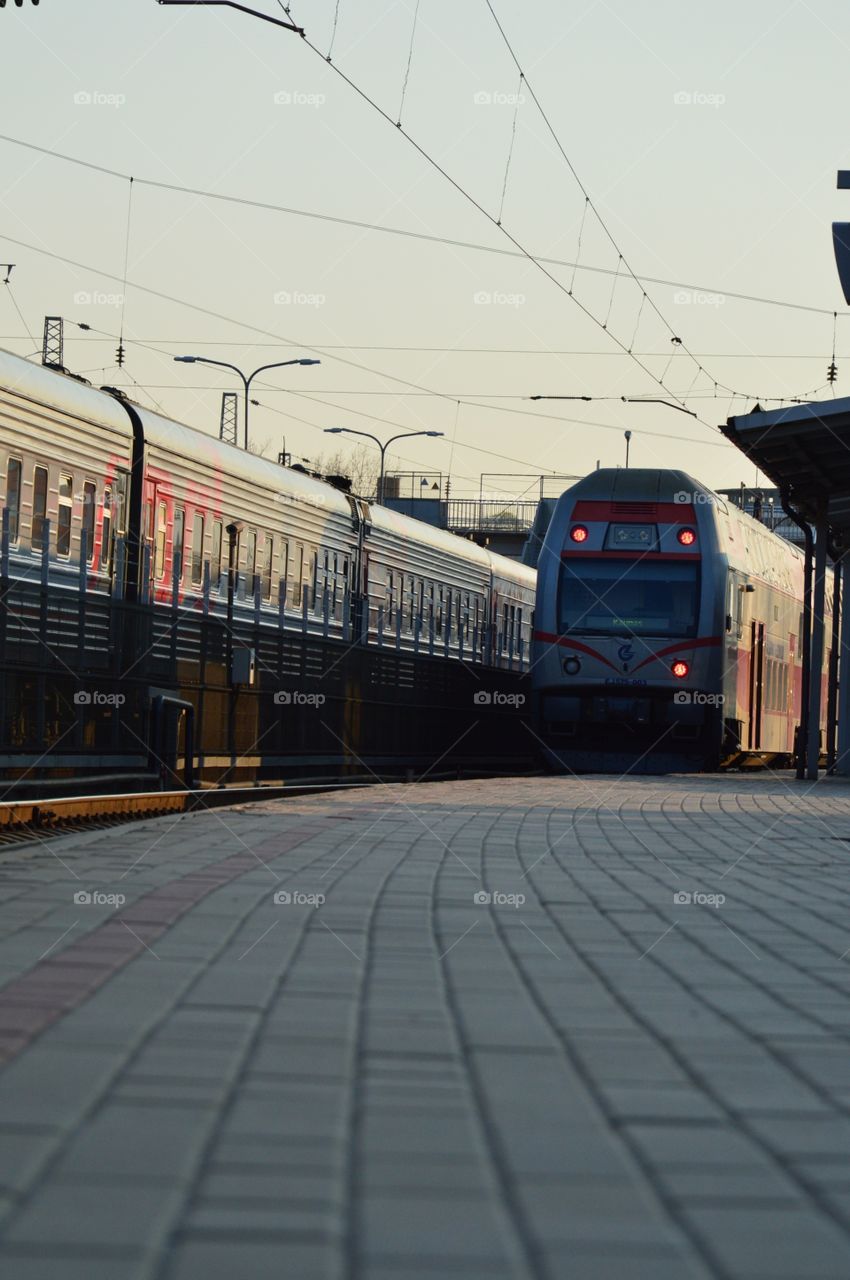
805	450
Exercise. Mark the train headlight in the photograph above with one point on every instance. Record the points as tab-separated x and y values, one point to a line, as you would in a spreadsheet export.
687	537
680	669
578	533
572	666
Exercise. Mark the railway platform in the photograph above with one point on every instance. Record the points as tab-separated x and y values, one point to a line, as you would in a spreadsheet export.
538	1028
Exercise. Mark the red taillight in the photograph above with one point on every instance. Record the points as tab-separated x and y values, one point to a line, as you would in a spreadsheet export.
578	533
687	537
680	669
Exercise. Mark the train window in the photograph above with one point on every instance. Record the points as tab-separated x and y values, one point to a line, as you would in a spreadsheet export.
323	584
251	562
89	511
268	566
13	497
198	548
283	570
388	604
118	502
215	562
177	546
314	575
39	506
65	510
599	596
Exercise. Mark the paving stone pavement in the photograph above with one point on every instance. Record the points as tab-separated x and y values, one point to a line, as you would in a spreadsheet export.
545	1028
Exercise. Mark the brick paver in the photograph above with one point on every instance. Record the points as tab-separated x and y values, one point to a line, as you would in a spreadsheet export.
531	1028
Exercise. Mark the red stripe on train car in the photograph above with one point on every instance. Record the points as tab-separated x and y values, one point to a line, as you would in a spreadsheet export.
635	512
549	638
680	647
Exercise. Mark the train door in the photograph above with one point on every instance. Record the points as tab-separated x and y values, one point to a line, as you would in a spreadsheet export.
756	691
114	522
154	534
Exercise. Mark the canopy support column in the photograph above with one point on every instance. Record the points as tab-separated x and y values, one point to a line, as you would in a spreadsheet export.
817	652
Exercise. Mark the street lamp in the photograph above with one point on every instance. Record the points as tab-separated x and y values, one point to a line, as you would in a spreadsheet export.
405	435
246	381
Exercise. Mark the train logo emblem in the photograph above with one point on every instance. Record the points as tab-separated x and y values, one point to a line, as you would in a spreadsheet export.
626	653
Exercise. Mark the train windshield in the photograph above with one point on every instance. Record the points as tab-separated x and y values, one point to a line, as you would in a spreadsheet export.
631	597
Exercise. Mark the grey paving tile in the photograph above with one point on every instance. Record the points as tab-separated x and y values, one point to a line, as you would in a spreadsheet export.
96	1214
219	1259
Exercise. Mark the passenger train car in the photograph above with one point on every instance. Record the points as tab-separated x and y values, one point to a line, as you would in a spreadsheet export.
103	471
100	492
668	628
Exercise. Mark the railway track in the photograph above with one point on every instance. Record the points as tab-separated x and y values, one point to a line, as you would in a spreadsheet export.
32	820
28	821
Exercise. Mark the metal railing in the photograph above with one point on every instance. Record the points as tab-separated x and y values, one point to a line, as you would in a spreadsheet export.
468	514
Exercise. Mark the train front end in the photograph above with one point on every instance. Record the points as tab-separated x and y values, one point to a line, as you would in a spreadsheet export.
628	626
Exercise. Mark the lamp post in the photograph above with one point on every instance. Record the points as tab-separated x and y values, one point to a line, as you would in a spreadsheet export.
628	436
383	446
246	381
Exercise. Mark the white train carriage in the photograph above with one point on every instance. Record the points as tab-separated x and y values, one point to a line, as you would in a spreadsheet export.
668	628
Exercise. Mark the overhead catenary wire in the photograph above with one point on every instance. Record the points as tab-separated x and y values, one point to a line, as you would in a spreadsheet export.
530	257
120	352
589	203
8	283
329	54
383	229
252	328
409	62
602	426
511	146
464	351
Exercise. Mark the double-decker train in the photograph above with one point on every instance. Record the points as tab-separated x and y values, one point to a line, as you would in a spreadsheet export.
104	499
668	628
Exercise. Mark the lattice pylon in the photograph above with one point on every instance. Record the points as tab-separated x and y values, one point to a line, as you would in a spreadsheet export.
229	417
53	346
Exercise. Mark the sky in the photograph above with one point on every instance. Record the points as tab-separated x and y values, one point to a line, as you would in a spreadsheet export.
707	140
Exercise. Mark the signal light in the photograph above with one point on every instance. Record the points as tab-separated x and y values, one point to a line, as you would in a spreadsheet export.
578	533
687	537
680	669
